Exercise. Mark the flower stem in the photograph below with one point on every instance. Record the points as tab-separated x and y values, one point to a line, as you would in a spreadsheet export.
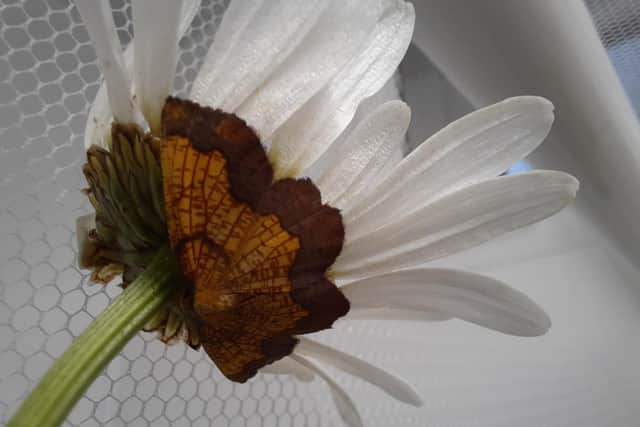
70	376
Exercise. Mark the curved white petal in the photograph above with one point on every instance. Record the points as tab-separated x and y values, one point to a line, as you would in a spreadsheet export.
100	117
481	145
84	224
391	385
334	39
314	127
389	92
471	297
422	315
287	366
343	402
269	31
187	13
156	25
235	21
364	154
455	222
98	19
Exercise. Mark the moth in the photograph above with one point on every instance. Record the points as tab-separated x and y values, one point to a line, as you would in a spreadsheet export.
254	251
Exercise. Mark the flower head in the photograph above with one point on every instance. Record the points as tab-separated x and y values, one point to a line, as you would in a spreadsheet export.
284	212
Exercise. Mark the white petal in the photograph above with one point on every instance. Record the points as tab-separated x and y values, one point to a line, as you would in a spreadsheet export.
365	153
389	92
343	402
342	28
269	33
187	13
422	315
100	117
471	297
84	224
98	19
391	385
455	222
235	21
287	366
156	25
315	126
481	145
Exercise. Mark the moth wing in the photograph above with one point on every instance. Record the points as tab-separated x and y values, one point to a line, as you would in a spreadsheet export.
255	251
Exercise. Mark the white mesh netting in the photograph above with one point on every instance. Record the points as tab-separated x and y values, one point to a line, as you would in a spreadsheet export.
618	23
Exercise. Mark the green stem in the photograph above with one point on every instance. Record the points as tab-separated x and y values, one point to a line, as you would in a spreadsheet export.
70	376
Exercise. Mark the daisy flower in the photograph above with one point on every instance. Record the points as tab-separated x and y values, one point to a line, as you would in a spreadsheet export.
282	211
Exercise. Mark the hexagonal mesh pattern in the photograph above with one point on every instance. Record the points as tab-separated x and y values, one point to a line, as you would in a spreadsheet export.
48	78
618	23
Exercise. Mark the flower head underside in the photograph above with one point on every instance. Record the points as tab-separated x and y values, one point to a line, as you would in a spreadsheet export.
286	213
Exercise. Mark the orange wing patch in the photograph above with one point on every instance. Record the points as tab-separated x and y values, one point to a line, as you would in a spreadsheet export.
256	252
